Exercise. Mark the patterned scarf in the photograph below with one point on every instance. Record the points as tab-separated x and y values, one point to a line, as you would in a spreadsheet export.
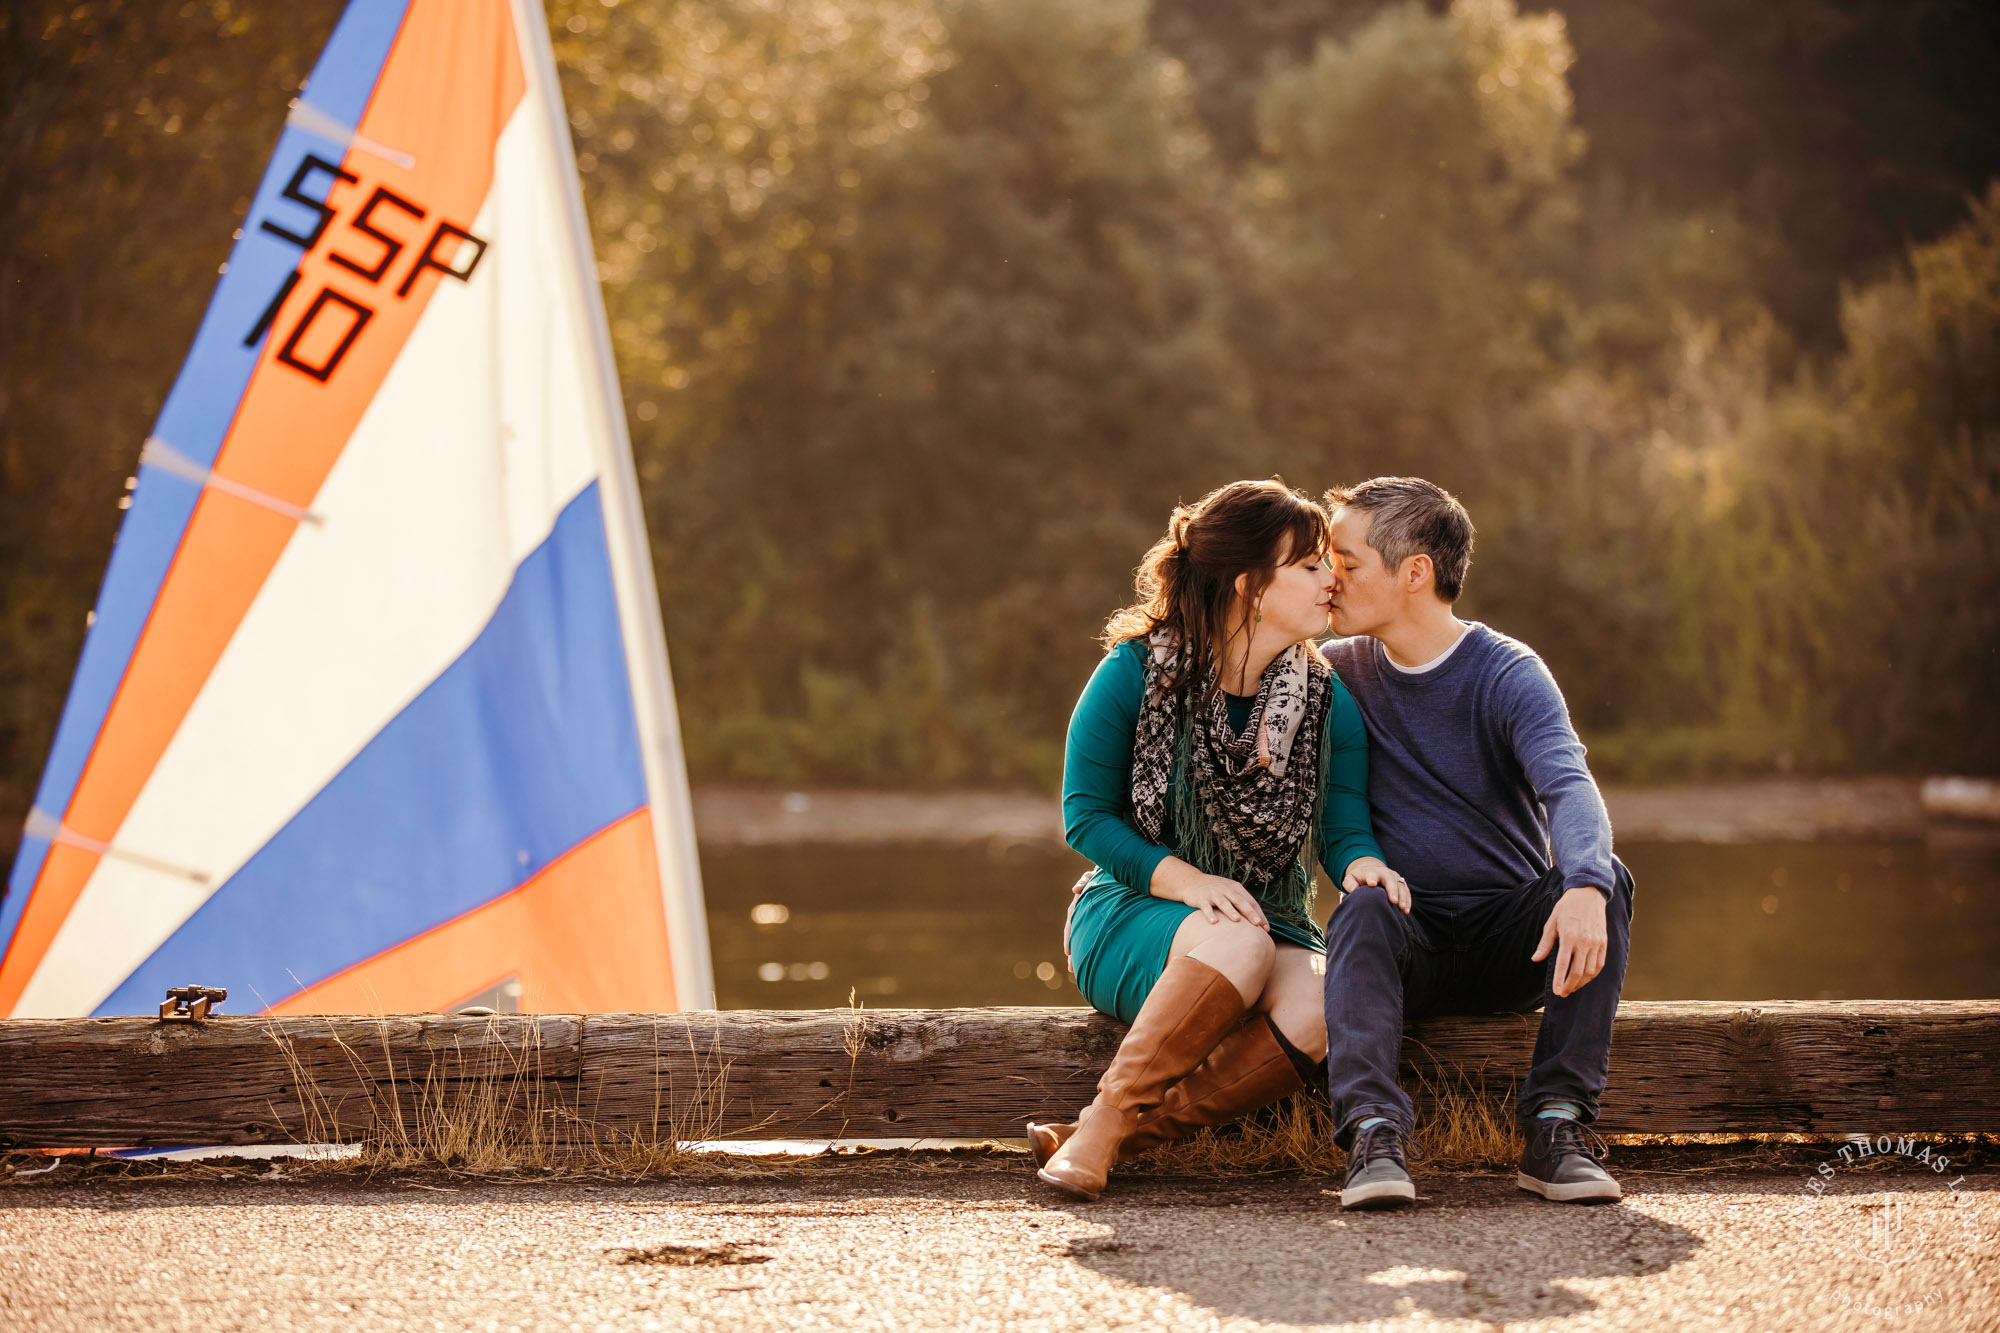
1250	807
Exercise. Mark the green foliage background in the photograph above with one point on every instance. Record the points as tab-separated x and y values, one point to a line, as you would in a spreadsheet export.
927	311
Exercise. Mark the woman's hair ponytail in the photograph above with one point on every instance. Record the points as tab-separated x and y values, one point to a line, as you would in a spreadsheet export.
1186	582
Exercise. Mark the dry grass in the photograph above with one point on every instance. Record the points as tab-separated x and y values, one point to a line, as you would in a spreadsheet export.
1459	1129
1295	1135
489	1111
1469	1127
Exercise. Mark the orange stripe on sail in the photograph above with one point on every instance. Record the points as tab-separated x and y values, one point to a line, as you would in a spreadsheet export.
586	935
61	883
450	85
451	82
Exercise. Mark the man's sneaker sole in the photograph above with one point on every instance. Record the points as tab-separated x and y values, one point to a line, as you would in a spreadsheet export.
1379	1194
1583	1191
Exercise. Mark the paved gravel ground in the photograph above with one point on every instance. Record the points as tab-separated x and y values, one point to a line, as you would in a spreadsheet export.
867	1246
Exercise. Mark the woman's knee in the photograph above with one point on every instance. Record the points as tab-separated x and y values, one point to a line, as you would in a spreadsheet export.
1241	952
1251	944
1238	939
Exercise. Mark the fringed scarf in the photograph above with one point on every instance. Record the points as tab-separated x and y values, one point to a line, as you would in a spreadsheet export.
1250	807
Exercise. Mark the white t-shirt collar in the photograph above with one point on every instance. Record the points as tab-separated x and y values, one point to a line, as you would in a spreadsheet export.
1434	663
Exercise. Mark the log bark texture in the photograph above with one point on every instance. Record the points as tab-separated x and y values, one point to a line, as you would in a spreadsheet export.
1681	1067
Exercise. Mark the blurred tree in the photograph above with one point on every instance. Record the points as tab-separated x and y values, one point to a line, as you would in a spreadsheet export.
1411	181
1840	131
1835	132
1790	568
1920	389
924	446
1229	50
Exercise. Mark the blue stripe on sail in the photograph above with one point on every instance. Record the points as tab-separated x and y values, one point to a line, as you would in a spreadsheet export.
521	749
196	418
343	79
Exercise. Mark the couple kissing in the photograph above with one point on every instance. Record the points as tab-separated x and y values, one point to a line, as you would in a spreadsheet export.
1221	752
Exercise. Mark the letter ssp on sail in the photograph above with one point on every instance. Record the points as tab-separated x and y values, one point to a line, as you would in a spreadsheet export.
374	713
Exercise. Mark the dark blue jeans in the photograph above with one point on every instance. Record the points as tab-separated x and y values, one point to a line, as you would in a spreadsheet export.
1463	954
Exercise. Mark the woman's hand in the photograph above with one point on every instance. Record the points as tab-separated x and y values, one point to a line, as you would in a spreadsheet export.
1216	898
1370	870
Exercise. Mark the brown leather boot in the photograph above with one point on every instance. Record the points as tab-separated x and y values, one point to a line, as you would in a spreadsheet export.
1045	1136
1247	1071
1191	1008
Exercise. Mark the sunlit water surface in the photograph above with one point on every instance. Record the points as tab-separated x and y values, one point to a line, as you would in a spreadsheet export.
795	928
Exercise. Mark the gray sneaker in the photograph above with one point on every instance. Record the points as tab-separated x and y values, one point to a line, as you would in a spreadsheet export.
1564	1161
1376	1175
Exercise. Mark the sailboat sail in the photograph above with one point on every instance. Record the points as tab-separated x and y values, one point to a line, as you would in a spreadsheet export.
374	713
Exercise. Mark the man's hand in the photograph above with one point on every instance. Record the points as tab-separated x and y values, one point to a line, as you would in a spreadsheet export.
1370	870
1578	922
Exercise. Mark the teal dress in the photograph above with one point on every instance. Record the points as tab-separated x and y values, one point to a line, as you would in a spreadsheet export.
1119	933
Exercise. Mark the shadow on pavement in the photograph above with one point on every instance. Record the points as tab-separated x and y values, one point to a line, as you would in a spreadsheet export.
1467	1251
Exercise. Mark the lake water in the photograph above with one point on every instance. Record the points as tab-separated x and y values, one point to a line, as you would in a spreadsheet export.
799	927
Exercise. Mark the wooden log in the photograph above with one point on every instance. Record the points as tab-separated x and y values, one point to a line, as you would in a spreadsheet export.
1778	1066
1681	1067
140	1081
893	1073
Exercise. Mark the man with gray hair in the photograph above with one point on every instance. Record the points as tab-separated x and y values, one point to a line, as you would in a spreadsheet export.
1480	795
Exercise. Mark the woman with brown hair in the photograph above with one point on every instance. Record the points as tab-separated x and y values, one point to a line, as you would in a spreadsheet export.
1212	760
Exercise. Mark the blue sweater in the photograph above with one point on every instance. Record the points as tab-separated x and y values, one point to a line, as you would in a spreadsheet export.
1474	772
